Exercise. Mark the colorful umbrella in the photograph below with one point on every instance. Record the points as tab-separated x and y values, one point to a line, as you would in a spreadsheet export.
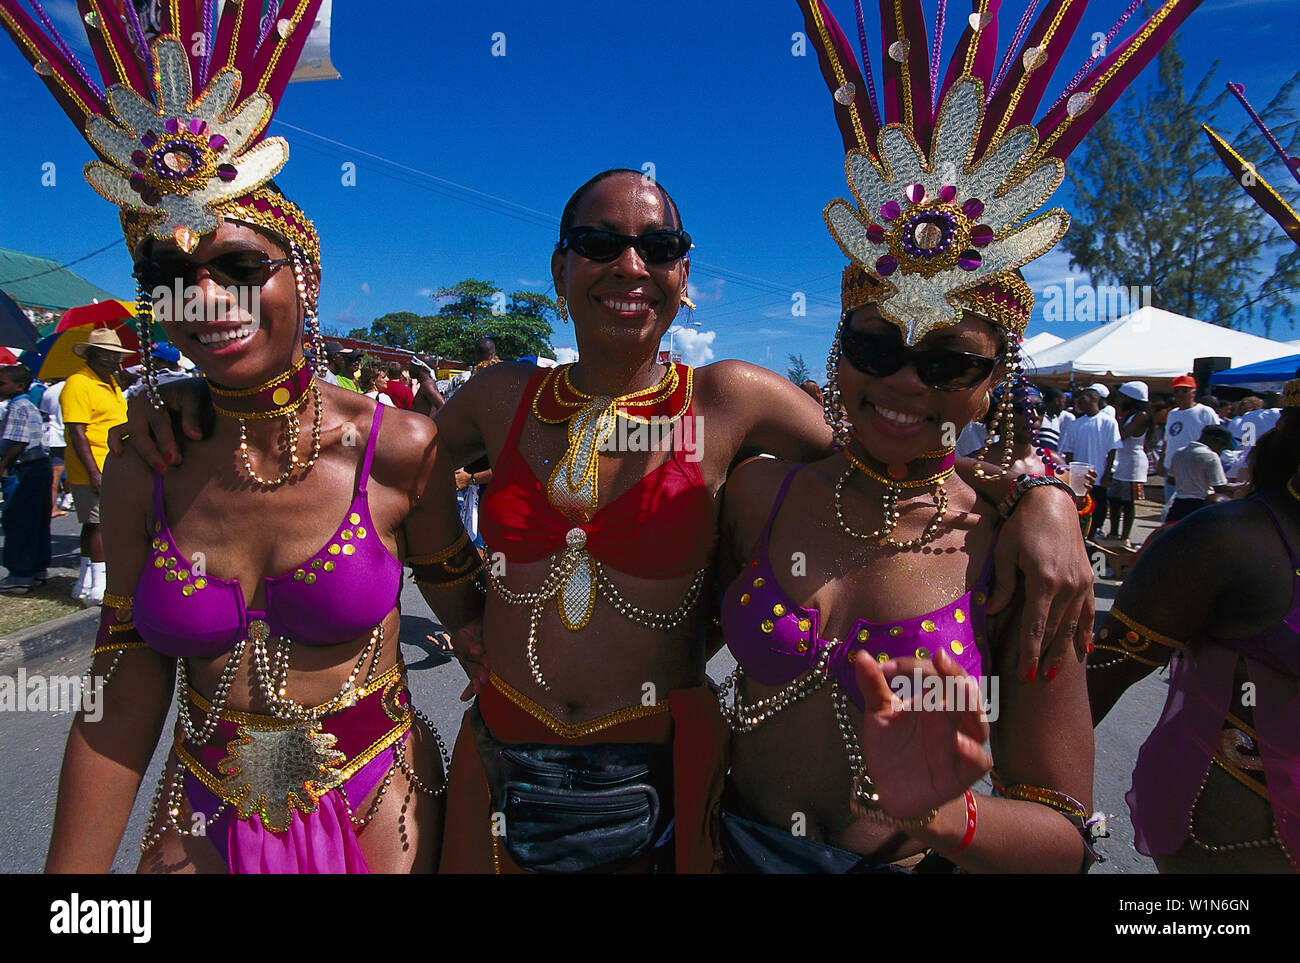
7	356
15	329
58	359
98	314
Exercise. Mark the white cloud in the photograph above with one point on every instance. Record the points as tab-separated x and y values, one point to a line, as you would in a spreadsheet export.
566	355
526	283
710	290
365	288
425	293
695	346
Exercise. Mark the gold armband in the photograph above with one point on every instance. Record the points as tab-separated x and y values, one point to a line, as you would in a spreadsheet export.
1136	641
458	562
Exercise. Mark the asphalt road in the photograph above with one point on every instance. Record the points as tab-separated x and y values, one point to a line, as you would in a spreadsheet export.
31	743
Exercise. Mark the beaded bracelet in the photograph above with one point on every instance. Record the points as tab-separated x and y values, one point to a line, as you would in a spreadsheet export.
920	822
1023	484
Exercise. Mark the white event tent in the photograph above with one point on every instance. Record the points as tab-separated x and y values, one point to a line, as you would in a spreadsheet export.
1150	344
1036	343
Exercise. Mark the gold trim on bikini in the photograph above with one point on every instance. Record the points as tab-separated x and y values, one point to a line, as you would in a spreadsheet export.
565	730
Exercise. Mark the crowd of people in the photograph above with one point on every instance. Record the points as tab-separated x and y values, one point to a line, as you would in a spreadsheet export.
1127	437
877	589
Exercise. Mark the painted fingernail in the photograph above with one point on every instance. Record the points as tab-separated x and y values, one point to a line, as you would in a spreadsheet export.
1090	646
1051	673
1032	675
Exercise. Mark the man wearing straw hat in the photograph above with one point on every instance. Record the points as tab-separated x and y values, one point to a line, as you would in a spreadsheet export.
92	403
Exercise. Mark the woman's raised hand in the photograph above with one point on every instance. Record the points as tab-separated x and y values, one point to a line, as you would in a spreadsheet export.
923	732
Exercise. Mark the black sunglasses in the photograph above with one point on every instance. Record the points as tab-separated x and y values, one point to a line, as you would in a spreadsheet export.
602	246
239	268
880	356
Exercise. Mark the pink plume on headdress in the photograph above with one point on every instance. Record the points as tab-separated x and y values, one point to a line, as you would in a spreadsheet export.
843	54
236	42
906	85
1062	133
278	55
79	99
983	59
1031	84
1292	163
111	46
1272	203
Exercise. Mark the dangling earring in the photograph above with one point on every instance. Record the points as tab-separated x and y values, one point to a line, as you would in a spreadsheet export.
312	338
1004	419
144	330
561	310
832	408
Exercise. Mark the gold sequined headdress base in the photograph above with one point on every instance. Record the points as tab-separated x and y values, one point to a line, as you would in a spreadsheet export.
1005	300
264	208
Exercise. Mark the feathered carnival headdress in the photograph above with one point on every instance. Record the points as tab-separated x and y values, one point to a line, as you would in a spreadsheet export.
945	175
180	124
1263	193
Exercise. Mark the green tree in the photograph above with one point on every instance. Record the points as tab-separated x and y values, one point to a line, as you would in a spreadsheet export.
1155	206
471	309
798	370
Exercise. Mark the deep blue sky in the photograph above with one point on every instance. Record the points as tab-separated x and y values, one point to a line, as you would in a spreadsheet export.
739	130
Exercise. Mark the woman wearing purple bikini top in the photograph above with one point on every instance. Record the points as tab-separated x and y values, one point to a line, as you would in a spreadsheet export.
862	577
1216	788
259	579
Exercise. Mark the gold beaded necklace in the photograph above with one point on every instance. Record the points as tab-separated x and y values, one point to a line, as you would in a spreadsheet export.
889	503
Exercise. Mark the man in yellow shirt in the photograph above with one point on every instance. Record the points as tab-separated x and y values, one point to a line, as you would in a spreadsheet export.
92	403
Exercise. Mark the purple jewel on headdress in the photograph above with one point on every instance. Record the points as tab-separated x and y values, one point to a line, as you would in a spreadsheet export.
915	193
969	260
875	234
171	125
137	183
226	172
947	193
973	208
139	158
890	210
197	125
217	142
886	265
981	234
149	139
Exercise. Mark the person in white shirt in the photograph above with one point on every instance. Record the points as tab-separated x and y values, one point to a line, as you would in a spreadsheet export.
1256	423
1105	409
52	429
1199	471
1130	470
1055	419
1093	438
1182	427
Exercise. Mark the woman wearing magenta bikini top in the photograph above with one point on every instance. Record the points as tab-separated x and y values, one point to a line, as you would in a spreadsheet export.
877	560
1217	784
258	579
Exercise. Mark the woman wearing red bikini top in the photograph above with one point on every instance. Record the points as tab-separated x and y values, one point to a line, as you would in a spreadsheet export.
599	541
259	578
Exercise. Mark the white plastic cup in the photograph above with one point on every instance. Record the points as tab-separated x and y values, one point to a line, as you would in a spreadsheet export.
1079	477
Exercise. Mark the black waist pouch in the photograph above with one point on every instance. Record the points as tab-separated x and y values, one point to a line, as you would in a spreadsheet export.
570	809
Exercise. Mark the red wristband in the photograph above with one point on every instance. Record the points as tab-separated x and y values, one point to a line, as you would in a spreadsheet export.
972	819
